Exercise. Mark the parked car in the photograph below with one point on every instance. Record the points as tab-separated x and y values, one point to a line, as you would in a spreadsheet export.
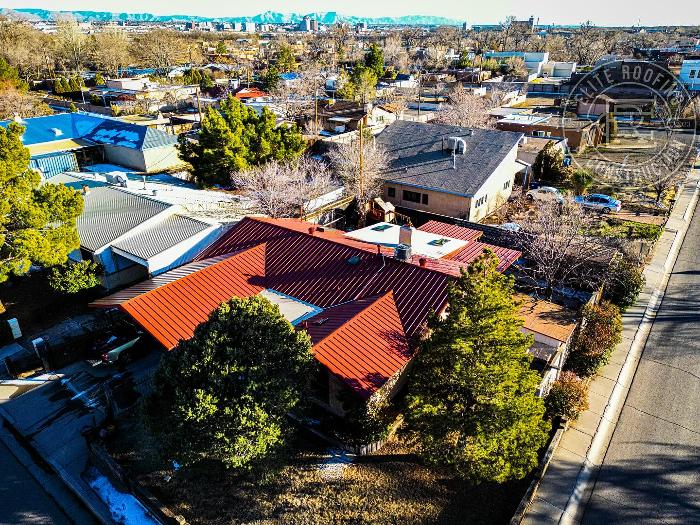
599	202
545	193
118	346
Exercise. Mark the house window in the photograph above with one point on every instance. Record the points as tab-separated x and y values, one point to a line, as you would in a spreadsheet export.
391	192
425	198
692	73
411	196
506	185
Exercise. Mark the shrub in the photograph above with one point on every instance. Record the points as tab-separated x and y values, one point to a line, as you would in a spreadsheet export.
568	397
549	165
581	180
597	336
71	278
625	282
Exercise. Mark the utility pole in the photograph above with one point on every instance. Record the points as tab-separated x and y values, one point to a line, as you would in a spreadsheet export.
420	79
316	113
360	179
199	107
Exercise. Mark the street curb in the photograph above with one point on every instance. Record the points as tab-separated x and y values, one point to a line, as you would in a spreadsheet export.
586	478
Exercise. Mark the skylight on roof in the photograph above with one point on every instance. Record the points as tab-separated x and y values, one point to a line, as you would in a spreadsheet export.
381	227
439	242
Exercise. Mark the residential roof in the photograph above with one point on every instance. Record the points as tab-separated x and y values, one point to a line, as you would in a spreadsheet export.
109	212
362	341
420	155
384	301
160	237
91	129
547	318
450	230
173	308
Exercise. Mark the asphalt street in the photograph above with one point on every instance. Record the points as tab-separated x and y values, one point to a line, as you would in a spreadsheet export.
651	472
22	500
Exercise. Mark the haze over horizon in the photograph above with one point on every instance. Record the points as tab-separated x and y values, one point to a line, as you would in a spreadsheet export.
600	12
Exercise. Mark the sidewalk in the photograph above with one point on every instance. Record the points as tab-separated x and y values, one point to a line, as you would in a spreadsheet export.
566	486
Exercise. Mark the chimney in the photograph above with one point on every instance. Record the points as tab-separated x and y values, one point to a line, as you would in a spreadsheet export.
422	262
406	235
312	230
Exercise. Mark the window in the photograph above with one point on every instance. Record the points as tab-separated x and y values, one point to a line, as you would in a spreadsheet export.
692	73
506	185
391	192
425	198
411	196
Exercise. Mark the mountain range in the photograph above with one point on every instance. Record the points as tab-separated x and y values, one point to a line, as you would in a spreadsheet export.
268	17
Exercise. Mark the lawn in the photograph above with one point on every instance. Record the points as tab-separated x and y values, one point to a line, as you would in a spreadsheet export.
390	487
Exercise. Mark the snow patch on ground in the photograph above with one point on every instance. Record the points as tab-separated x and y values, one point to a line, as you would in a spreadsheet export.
124	508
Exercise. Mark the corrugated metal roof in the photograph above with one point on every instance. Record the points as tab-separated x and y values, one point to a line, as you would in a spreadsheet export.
110	212
327	272
506	256
362	342
179	301
450	230
162	236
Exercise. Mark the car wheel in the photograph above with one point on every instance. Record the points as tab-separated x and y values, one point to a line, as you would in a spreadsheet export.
606	210
530	198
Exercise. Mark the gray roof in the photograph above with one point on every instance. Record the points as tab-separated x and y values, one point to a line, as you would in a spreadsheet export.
110	213
159	237
417	157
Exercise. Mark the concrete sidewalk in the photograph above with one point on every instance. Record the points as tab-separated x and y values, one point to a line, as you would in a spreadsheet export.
565	488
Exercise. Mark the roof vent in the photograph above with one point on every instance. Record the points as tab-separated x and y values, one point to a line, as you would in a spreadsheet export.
354	260
402	252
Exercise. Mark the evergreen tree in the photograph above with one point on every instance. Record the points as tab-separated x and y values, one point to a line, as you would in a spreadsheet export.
73	277
225	393
270	79
37	221
234	138
472	399
285	60
374	60
221	48
74	85
549	164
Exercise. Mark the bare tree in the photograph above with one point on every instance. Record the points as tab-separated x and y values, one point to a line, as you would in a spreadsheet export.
298	97
111	50
558	249
73	45
465	109
360	165
16	103
285	189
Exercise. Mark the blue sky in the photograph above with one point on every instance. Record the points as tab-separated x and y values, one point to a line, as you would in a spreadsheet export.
602	12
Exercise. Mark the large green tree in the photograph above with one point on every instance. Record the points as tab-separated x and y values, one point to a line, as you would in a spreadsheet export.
472	400
225	393
37	221
374	60
235	138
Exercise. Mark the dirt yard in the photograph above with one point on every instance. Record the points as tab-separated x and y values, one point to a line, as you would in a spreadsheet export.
388	488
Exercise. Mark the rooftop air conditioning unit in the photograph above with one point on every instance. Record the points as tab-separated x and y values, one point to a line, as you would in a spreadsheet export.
402	252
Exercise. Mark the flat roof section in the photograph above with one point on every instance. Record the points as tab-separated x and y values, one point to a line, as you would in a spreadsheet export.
422	242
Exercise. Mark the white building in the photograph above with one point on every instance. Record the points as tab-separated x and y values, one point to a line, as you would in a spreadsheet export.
690	74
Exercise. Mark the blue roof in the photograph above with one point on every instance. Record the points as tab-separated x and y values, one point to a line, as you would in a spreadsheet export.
289	76
93	128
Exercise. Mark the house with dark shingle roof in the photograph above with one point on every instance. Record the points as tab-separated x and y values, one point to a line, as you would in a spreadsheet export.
449	170
55	143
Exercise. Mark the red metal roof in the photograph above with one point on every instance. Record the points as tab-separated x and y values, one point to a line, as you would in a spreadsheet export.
171	306
327	271
450	230
362	342
471	251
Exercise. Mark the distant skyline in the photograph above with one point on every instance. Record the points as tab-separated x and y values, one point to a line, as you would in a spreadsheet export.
600	12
